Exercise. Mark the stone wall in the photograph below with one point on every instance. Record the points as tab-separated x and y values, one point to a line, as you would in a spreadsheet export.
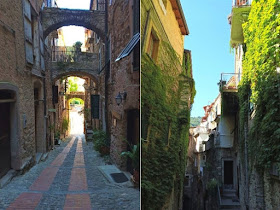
122	78
15	71
54	18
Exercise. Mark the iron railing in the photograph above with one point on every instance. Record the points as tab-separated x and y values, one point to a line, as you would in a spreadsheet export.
65	56
229	81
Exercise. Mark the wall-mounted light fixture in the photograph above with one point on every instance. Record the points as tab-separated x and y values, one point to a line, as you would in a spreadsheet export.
120	97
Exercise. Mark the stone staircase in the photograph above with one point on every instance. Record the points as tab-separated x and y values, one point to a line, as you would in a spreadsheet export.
229	200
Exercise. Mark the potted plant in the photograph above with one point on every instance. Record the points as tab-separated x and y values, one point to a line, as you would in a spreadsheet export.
101	142
57	137
134	155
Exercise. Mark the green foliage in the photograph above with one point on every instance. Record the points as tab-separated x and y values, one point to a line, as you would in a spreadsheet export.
57	134
76	101
195	121
166	90
134	155
262	38
65	124
101	140
72	81
77	45
211	186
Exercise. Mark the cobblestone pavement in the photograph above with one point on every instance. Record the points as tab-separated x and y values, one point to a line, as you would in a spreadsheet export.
68	179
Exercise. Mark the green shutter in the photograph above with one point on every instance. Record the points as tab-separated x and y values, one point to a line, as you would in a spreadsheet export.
95	106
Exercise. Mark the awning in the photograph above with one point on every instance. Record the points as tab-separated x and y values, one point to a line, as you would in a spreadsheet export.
129	47
239	16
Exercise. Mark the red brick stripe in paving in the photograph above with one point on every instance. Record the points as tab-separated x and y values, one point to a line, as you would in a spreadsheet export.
79	160
44	181
78	180
79	146
77	201
26	201
69	145
59	159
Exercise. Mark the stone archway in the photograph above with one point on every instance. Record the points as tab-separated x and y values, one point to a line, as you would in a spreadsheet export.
54	18
9	101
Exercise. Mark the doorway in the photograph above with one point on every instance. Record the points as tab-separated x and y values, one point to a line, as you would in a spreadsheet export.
5	140
133	132
228	174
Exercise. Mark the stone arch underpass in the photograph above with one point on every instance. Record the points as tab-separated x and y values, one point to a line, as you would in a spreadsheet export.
54	18
78	63
80	95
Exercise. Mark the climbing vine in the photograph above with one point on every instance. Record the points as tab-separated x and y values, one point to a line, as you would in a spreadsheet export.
259	87
166	91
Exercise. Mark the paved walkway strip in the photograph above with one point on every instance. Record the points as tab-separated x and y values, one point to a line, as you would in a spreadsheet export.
44	181
78	181
77	202
79	156
26	201
61	157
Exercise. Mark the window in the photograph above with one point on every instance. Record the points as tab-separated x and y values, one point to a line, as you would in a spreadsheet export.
153	46
163	4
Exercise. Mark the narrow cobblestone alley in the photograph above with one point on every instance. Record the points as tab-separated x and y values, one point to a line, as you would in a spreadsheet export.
68	179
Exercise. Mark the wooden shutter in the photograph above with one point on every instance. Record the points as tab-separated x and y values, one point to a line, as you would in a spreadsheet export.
95	106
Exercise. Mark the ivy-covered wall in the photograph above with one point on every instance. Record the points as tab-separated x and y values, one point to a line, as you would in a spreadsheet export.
165	107
260	83
259	101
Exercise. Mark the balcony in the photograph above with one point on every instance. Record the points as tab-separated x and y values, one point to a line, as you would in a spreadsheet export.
239	15
229	82
240	3
229	88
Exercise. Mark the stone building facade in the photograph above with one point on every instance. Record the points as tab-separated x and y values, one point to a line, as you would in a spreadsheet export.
124	77
24	84
164	132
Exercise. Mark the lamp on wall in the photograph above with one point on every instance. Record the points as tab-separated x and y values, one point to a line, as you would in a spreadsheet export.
120	97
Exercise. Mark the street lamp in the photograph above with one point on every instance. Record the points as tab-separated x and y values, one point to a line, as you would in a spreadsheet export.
120	97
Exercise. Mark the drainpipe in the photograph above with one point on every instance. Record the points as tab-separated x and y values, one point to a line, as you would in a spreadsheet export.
107	67
45	107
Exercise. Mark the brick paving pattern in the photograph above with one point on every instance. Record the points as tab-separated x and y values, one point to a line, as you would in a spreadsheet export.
68	179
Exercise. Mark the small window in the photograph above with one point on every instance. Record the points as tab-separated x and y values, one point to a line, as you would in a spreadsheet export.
163	4
153	46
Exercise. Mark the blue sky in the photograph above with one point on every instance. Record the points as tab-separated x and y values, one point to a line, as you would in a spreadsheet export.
209	42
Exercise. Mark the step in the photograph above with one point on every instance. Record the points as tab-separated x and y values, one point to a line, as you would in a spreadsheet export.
229	204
